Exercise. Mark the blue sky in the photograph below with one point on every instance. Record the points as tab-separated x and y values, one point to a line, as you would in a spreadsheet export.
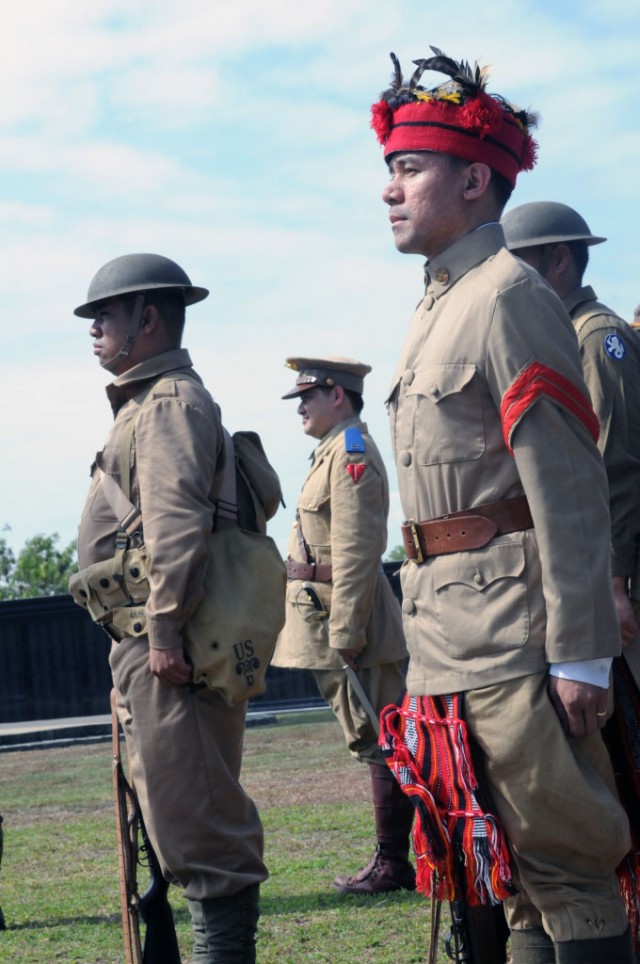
235	139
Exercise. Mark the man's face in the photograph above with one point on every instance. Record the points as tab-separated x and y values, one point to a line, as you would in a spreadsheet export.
109	331
425	199
318	411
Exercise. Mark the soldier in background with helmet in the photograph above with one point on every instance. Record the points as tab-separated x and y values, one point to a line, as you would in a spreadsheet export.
555	240
340	607
184	744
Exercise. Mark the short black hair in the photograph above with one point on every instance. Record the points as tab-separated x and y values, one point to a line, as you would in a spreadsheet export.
502	189
356	399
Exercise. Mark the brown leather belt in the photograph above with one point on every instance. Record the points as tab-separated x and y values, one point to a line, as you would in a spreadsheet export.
468	529
314	572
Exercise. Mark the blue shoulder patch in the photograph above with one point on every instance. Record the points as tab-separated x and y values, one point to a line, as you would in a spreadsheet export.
615	347
353	440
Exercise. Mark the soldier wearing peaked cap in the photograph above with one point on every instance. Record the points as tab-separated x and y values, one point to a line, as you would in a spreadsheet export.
555	240
508	610
184	743
340	607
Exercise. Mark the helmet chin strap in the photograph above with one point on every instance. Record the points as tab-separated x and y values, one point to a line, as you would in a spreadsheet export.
132	334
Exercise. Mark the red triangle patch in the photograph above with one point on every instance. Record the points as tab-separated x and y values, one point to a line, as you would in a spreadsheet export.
356	470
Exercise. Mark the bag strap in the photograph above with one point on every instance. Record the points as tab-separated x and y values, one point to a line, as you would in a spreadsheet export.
227	501
127	514
119	496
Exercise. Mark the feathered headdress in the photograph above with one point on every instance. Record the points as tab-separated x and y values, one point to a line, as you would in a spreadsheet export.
457	117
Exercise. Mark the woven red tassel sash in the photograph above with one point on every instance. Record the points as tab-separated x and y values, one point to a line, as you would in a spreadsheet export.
461	850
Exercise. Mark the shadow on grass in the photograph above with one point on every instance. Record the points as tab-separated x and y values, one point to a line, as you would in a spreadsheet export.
179	916
307	903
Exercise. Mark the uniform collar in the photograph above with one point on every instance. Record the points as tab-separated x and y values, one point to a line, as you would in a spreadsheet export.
126	386
326	440
464	254
579	296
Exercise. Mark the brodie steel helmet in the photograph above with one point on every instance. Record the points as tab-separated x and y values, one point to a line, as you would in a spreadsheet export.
545	222
132	273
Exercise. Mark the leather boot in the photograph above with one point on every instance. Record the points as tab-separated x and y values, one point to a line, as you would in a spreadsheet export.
604	950
532	946
389	869
224	928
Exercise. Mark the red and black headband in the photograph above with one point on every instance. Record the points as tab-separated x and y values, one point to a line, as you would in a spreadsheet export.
457	118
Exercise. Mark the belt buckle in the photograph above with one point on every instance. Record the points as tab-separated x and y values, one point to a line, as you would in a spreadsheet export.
419	557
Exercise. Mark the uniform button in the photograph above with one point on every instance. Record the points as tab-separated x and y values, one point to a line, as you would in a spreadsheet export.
442	275
135	572
478	578
428	302
405	458
104	583
408	607
137	627
434	391
408	377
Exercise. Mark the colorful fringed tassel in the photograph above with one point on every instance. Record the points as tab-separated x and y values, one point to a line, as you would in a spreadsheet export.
461	851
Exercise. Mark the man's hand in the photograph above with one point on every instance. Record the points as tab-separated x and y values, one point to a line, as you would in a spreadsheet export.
170	666
624	609
581	707
350	657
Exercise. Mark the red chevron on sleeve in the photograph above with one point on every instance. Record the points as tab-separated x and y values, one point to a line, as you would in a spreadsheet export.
537	380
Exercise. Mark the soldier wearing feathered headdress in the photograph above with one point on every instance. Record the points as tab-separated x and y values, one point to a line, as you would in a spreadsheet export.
507	604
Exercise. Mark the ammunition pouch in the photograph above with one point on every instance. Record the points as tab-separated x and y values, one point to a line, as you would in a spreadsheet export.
114	592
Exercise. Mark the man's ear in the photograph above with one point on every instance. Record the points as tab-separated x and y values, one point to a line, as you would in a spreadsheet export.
562	259
477	178
339	395
150	319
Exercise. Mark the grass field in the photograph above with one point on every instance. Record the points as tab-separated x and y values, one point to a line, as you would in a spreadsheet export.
59	877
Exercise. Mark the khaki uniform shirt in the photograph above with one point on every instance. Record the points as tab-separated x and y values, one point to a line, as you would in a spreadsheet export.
176	458
529	598
610	351
344	524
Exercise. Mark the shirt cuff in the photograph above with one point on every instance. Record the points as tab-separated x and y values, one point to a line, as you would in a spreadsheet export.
593	671
164	634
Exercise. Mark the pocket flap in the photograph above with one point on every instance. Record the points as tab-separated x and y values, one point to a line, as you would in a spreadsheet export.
438	381
480	568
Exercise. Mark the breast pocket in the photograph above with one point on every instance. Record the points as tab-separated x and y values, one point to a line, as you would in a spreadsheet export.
449	422
481	600
314	508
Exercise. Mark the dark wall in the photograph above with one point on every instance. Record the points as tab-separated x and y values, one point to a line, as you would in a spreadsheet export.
53	663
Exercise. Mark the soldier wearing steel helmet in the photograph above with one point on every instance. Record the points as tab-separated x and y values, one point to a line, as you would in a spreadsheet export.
340	606
556	240
184	744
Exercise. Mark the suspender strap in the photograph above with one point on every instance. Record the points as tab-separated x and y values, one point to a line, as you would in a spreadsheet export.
119	496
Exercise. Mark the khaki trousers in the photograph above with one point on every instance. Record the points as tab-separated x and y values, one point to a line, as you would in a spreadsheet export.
382	684
184	753
556	799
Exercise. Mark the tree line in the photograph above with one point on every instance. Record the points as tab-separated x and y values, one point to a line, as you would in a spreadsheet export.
40	568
